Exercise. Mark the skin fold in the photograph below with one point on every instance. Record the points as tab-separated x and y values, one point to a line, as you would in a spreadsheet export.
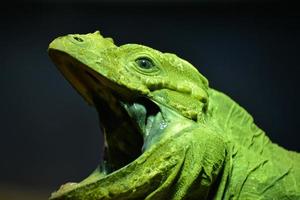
168	135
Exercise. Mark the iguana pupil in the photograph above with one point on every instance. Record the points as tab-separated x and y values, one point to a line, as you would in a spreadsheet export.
145	63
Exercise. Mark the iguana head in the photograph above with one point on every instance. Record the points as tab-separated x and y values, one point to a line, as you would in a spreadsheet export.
138	92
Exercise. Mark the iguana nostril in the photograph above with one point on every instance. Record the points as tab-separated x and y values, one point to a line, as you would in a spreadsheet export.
78	39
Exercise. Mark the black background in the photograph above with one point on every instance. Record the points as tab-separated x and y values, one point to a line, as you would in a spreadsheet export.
49	135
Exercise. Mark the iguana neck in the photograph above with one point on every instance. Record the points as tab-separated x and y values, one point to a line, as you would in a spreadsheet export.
234	122
252	152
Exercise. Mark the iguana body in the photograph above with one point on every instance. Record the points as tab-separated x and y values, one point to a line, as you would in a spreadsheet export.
196	142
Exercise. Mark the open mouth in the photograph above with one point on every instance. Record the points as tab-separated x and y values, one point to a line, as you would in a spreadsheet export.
129	121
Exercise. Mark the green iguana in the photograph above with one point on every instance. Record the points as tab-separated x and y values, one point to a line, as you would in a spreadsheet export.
168	135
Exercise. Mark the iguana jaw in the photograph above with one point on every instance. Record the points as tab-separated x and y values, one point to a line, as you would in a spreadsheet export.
120	112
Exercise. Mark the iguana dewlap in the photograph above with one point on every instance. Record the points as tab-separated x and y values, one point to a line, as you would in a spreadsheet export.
168	135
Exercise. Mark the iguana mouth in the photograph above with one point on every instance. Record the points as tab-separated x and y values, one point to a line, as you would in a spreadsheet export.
126	118
121	111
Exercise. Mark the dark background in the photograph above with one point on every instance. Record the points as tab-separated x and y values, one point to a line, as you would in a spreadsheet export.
49	135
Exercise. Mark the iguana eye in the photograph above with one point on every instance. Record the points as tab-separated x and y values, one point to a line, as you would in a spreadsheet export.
145	63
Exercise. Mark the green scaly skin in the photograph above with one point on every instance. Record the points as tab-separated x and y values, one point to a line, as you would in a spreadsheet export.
168	135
